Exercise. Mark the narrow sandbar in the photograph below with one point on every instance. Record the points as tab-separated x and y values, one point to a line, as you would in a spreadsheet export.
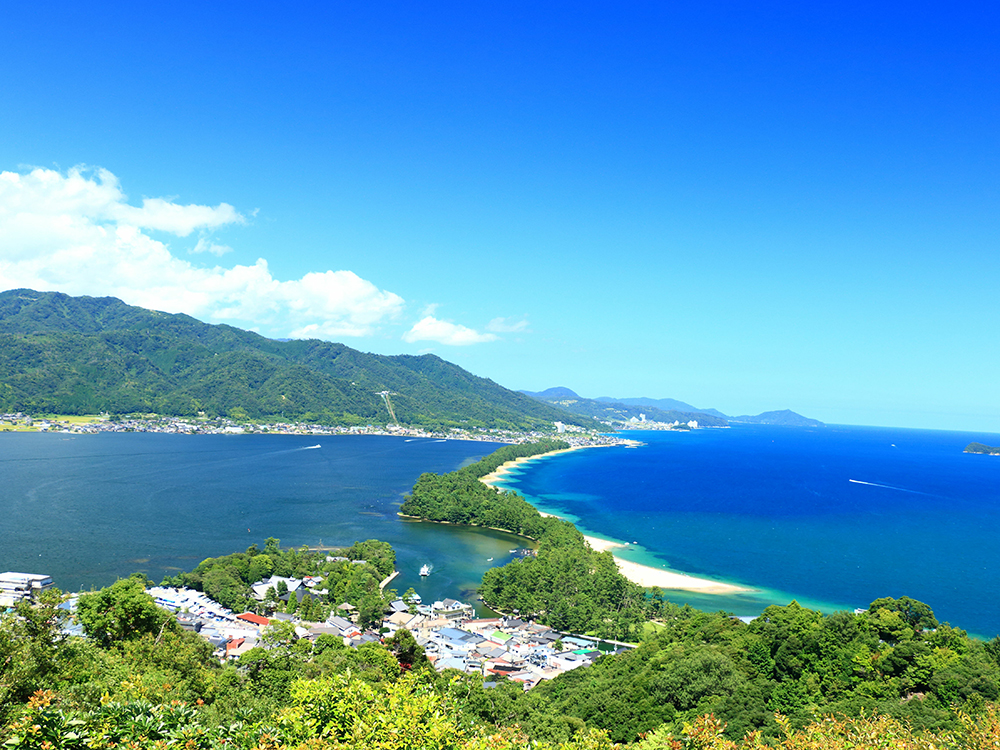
644	575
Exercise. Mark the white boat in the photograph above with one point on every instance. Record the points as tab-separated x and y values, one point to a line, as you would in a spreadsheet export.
425	570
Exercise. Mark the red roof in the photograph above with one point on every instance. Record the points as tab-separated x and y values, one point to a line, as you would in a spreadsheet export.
235	644
255	619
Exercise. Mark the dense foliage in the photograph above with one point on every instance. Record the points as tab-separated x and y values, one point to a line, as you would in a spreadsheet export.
227	579
570	587
894	659
85	355
459	496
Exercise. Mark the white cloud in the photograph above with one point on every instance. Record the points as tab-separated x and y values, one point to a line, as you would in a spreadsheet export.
207	246
430	328
508	325
77	233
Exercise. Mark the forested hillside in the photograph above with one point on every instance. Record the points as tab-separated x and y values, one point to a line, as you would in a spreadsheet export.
86	355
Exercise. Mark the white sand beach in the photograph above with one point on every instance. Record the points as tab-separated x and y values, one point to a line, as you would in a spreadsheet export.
648	576
644	575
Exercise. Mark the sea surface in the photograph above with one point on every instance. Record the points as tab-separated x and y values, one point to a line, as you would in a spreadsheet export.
833	517
88	509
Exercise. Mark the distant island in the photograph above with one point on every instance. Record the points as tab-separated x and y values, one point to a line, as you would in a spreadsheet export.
783	418
989	450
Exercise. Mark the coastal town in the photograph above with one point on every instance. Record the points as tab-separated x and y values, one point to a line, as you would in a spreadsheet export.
450	633
223	426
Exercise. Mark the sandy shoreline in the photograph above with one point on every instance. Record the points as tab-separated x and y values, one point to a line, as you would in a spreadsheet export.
644	575
498	474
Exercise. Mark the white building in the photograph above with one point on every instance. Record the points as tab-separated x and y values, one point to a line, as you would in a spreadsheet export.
17	586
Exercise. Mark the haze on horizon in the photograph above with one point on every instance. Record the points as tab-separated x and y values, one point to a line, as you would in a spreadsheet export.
744	208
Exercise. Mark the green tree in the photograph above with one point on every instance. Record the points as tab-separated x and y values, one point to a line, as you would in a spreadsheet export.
29	649
120	612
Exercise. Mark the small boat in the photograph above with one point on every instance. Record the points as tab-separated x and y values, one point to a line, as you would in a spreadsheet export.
489	559
425	570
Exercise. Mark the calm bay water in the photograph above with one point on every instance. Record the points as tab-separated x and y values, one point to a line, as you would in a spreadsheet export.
88	509
776	509
771	508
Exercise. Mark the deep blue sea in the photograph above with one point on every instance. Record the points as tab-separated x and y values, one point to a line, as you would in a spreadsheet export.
833	517
772	508
90	508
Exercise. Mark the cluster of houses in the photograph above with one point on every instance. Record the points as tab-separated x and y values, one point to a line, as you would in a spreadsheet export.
451	636
447	630
223	426
521	651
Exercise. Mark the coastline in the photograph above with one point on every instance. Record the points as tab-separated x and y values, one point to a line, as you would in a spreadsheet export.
647	576
496	476
643	575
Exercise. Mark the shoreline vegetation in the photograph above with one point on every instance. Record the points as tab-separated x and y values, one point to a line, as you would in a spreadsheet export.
642	575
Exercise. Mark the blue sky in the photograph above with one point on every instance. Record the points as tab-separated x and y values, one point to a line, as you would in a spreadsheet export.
742	206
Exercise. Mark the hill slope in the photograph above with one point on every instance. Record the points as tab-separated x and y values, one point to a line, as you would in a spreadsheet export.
608	410
665	404
79	355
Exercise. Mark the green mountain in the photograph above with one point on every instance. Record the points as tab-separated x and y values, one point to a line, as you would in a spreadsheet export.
85	355
607	410
784	418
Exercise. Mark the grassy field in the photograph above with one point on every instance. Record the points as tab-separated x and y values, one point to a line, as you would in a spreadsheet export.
650	628
57	419
75	419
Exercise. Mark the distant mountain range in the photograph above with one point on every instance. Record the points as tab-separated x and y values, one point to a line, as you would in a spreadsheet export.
665	404
86	355
619	411
661	410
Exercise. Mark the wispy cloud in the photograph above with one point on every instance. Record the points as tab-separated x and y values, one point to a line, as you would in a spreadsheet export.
77	233
508	325
205	245
430	328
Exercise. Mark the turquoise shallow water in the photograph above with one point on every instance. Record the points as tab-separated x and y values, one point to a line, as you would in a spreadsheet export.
87	509
832	517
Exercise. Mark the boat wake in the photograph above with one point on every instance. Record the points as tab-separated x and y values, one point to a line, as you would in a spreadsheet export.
887	487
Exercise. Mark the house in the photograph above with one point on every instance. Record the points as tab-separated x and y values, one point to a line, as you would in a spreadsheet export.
254	619
259	590
17	586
